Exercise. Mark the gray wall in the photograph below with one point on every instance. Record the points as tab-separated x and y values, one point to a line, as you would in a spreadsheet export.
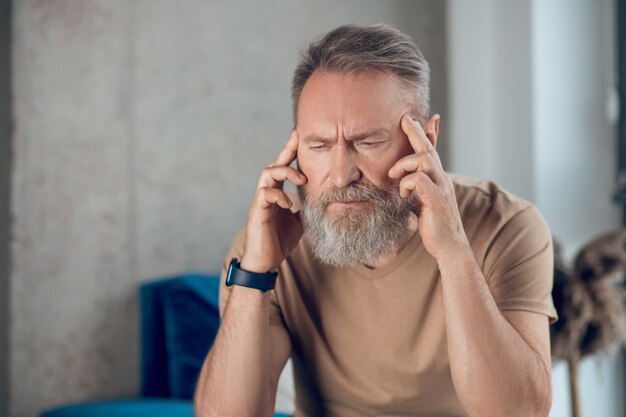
5	169
140	129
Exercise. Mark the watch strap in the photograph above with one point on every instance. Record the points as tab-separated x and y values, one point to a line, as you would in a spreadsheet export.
262	281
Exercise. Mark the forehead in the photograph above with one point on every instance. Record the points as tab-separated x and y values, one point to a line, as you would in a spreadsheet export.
332	102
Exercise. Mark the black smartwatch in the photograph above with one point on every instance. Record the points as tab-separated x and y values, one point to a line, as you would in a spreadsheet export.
261	281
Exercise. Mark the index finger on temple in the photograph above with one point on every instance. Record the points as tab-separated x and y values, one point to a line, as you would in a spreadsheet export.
289	152
417	137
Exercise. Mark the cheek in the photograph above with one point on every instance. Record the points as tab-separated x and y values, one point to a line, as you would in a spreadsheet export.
304	161
312	165
376	167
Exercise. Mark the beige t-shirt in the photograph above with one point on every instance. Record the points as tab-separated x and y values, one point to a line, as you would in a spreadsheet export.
373	342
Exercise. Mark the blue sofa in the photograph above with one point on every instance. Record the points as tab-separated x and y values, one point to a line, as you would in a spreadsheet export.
179	320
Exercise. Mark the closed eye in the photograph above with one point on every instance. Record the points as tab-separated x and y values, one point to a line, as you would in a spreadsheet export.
320	146
369	144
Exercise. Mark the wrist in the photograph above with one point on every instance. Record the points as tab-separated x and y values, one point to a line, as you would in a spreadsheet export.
254	265
455	254
236	275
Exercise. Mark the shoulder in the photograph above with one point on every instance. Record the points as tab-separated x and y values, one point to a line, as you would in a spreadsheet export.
477	197
486	209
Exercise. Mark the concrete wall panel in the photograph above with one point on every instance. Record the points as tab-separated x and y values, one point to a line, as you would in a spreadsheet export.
141	128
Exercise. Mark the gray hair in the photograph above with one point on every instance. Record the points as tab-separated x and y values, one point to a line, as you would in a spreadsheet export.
358	49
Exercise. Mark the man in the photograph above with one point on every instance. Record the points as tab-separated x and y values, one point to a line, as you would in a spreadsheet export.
401	289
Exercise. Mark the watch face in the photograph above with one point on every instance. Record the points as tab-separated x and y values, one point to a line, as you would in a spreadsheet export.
229	274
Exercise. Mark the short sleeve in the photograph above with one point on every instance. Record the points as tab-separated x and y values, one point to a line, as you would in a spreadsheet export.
519	264
236	251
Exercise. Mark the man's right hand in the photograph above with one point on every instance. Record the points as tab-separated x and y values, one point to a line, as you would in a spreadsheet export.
240	374
273	230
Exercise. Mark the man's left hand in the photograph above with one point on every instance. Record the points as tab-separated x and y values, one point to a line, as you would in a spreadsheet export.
421	173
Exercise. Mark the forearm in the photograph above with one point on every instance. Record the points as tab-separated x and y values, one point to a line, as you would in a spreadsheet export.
234	380
495	372
240	374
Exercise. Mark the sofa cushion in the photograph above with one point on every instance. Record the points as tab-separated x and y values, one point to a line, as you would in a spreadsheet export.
179	322
137	407
144	407
191	315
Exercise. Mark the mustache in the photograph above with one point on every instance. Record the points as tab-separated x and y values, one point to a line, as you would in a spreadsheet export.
359	191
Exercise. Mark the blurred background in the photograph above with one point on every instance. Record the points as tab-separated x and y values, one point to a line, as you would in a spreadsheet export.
134	131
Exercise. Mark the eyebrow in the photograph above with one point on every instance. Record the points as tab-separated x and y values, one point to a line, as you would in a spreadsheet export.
355	137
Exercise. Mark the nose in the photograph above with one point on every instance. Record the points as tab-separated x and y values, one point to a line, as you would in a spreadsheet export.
343	171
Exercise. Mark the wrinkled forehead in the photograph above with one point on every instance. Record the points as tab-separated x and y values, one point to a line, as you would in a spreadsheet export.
337	103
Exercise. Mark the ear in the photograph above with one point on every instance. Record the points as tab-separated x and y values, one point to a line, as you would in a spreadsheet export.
431	128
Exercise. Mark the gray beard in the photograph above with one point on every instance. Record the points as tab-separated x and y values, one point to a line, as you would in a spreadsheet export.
359	235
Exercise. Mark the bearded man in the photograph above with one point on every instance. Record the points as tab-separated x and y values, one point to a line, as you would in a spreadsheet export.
396	288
